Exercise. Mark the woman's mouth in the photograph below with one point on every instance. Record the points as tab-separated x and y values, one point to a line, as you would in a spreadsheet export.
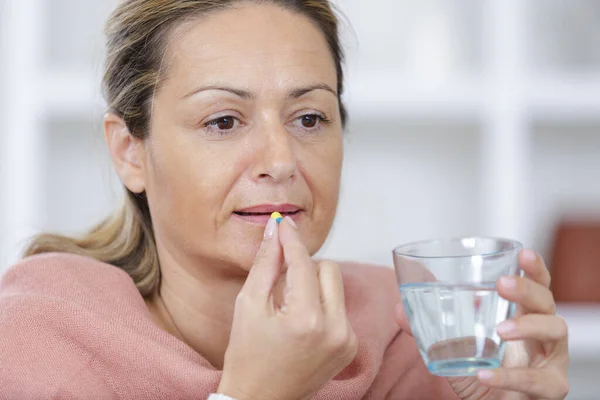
261	214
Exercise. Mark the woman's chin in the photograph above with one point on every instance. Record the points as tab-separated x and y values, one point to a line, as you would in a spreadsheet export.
243	243
243	255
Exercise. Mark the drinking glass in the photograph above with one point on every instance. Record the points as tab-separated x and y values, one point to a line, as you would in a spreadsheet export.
448	289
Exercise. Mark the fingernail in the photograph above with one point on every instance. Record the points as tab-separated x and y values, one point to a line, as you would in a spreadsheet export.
508	282
270	228
529	255
506	327
291	222
485	375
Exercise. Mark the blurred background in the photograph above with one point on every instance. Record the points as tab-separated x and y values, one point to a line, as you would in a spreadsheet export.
467	117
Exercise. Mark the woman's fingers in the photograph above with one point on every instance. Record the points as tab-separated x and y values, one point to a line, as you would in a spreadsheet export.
303	287
530	295
534	267
295	346
266	268
535	382
544	328
332	288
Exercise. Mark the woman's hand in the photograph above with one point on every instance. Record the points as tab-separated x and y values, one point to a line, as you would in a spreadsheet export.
536	357
287	348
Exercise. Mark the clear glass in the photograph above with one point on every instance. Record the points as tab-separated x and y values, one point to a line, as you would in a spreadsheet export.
448	288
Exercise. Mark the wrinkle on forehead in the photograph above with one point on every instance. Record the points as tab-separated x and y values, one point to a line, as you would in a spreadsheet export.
223	41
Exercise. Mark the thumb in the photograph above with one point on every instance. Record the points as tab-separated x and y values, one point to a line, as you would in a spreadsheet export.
402	319
267	265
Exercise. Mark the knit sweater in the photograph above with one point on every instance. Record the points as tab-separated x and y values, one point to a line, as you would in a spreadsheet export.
73	327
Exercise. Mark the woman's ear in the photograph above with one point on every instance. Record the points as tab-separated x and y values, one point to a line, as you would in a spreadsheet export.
127	153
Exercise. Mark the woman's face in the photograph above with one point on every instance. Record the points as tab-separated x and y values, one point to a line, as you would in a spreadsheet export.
246	123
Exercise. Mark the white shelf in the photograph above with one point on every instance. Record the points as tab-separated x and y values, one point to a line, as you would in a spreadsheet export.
72	93
385	94
584	324
560	98
553	99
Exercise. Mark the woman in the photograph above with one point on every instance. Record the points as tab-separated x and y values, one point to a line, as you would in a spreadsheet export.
222	112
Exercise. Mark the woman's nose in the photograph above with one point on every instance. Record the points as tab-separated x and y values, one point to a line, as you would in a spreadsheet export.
276	161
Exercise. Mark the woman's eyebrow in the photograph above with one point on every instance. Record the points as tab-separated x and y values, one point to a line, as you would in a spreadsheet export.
246	95
299	92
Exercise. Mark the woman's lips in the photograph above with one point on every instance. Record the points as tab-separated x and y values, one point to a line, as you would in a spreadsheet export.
263	218
269	209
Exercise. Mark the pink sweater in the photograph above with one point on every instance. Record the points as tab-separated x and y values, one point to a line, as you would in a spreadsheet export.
73	327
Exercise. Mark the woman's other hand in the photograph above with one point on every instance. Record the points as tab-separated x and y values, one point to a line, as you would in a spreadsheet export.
287	348
537	356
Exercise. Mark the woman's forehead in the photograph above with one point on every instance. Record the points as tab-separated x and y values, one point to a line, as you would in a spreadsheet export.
254	46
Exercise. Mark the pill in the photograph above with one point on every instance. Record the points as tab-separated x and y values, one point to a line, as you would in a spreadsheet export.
277	216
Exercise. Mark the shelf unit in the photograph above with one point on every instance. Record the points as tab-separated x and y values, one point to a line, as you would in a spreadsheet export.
503	99
455	146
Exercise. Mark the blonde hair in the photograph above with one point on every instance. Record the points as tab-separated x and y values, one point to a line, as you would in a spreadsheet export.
137	34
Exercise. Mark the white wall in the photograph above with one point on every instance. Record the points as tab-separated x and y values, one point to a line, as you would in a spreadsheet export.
405	181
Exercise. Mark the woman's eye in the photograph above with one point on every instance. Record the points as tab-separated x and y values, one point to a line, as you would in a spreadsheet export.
310	121
222	123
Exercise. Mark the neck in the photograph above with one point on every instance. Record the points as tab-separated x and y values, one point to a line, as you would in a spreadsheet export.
195	303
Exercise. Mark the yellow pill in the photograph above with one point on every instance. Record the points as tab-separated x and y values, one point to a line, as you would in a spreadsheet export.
277	216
